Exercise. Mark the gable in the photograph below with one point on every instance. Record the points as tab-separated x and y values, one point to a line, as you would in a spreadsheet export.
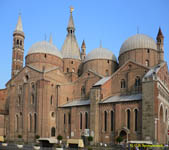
129	71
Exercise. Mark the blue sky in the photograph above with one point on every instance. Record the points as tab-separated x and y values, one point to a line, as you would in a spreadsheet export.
109	21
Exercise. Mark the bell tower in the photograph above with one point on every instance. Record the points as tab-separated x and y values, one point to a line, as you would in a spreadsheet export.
160	45
18	48
83	51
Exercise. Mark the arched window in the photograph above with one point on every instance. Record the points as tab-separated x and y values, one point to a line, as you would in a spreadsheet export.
35	122
30	122
17	123
166	115
19	100
20	43
147	63
137	81
64	118
105	120
81	120
107	72
53	131
112	120
17	42
69	118
67	69
83	91
86	120
32	99
123	84
128	119
136	119
161	114
51	100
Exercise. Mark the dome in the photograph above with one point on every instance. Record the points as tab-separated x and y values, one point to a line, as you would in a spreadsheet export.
100	53
44	47
138	41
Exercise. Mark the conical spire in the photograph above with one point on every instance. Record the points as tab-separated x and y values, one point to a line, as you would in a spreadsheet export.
71	22
51	39
83	44
19	25
160	34
70	48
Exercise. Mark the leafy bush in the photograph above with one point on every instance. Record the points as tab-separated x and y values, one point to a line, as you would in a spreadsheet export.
19	136
59	137
37	136
90	138
119	139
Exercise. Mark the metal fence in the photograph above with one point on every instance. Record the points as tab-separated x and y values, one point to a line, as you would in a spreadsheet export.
30	147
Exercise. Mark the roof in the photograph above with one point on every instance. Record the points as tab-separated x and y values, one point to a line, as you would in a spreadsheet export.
138	41
44	47
153	70
19	25
77	103
100	53
70	48
102	81
123	98
71	22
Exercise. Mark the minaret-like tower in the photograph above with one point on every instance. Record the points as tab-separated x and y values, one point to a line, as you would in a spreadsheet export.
83	51
70	49
160	45
18	48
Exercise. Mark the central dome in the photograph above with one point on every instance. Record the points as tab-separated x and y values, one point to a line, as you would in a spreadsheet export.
100	53
44	47
138	41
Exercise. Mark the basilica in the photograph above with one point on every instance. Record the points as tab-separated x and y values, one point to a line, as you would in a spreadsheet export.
73	94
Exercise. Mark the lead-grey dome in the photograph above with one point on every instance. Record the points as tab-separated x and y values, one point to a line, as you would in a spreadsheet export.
44	47
138	41
100	53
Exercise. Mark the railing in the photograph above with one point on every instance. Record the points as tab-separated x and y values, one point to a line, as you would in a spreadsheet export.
30	147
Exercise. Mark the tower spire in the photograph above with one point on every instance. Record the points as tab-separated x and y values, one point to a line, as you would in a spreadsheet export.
18	48
83	50
19	24
71	27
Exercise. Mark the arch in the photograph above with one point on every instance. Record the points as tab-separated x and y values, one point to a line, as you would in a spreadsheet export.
137	81
17	42
123	133
19	100
161	114
51	100
35	122
105	121
128	118
32	99
53	131
166	115
16	122
20	42
147	63
30	122
112	120
64	118
81	117
107	72
123	84
86	120
136	119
